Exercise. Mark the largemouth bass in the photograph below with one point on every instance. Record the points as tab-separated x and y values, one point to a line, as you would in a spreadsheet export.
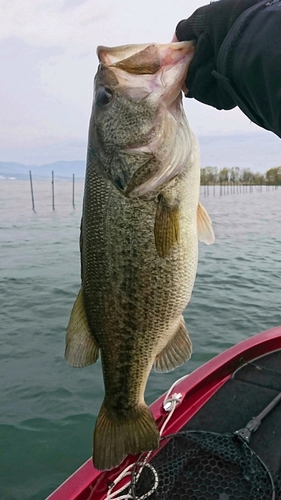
139	238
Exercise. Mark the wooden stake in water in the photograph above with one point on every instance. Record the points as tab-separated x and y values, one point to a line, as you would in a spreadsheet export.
73	190
31	189
53	190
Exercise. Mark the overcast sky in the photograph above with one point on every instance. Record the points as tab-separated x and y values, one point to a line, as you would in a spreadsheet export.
48	61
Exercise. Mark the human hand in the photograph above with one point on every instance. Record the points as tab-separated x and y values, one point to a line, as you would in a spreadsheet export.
208	26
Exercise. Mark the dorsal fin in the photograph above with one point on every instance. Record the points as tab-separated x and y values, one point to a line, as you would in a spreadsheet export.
204	226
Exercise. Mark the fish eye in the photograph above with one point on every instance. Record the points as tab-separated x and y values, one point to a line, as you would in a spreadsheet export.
104	96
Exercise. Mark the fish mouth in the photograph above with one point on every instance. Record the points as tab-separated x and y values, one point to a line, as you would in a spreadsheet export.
143	59
160	68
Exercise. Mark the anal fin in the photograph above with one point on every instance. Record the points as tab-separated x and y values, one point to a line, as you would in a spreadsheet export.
166	227
81	348
176	352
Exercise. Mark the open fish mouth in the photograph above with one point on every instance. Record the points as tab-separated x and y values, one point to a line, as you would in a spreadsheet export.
149	69
149	76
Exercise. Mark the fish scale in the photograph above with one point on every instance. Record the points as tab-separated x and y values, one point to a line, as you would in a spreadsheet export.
142	294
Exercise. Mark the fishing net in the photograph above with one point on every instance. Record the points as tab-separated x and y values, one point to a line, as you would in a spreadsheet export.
198	465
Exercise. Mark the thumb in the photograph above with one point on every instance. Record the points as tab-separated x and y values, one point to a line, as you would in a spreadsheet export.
184	88
174	39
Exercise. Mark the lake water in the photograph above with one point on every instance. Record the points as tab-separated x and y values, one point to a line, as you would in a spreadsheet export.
48	409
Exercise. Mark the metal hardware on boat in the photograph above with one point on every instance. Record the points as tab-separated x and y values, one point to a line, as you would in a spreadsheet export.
168	404
251	427
246	432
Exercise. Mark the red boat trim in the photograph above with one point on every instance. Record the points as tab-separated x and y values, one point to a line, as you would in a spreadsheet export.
87	483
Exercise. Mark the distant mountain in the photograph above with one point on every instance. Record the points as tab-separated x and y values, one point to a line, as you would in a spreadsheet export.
259	152
61	169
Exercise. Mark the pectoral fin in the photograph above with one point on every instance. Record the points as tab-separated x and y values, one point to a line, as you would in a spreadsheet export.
204	226
176	352
166	227
81	348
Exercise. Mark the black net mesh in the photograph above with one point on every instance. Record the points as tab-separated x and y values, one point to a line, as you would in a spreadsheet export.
199	465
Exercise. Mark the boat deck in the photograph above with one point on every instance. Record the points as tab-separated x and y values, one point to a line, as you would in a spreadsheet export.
219	469
242	397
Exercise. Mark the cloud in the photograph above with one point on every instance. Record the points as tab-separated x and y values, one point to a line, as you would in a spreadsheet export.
30	112
70	4
83	24
49	22
48	61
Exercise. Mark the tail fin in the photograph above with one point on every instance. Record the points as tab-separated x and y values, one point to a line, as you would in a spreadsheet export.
114	439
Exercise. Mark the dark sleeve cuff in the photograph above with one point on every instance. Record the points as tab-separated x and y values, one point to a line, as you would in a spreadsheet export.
249	64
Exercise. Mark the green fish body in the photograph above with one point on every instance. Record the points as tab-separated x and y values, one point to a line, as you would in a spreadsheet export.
139	239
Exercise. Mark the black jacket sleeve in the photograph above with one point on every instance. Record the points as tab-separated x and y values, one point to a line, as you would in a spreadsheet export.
249	64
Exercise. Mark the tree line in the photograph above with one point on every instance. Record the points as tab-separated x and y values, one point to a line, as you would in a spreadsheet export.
236	175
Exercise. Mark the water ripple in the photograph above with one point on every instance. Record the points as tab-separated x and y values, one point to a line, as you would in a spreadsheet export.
48	408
